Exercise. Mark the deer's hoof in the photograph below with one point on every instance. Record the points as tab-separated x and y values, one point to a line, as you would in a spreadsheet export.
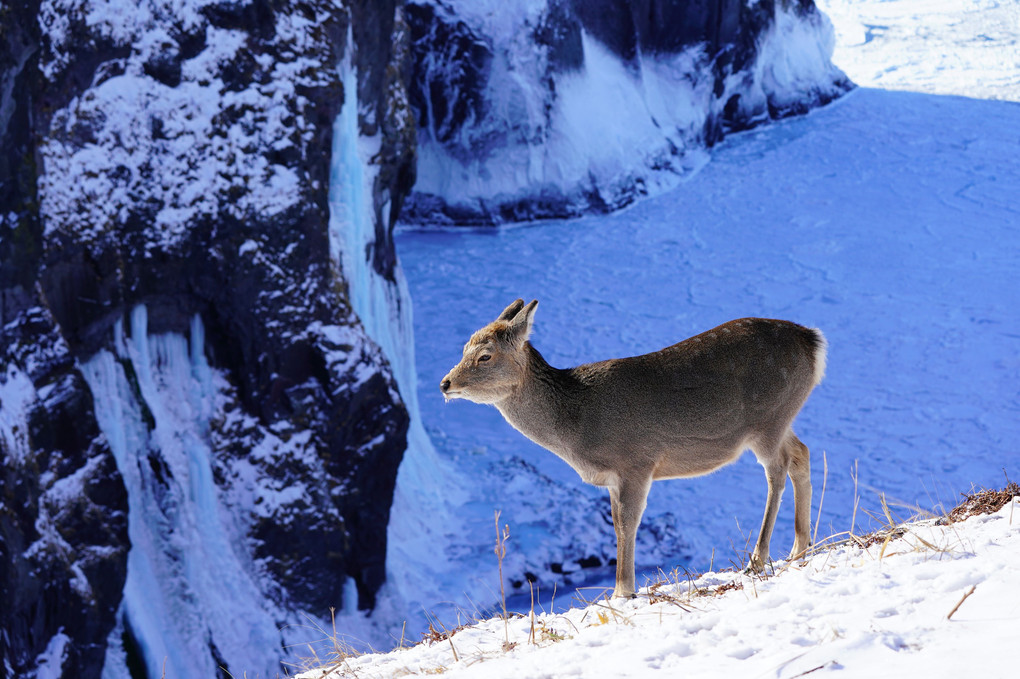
755	565
799	555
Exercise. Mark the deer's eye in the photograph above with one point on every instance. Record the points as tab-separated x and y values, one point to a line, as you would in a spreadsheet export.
483	358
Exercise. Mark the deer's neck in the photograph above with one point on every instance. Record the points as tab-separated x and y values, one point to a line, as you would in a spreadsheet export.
545	405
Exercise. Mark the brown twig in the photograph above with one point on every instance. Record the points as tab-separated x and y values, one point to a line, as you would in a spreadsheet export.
960	602
813	669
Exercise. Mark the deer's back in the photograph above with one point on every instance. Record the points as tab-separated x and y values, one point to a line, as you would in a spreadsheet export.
722	385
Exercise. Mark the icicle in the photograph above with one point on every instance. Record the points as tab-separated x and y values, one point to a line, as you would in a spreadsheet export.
187	588
384	309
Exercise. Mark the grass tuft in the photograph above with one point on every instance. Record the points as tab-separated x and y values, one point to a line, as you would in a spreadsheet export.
983	502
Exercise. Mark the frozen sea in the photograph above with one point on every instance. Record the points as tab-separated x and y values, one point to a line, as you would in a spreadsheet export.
889	219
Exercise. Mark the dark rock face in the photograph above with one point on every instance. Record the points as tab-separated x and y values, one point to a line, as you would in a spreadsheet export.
511	128
649	27
63	507
63	510
180	160
439	37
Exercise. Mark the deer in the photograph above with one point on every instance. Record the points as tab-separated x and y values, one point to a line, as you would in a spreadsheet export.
683	411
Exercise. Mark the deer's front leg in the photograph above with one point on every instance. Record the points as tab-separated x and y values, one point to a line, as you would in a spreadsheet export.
627	498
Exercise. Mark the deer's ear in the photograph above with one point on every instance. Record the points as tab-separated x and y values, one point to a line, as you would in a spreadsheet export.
511	311
520	326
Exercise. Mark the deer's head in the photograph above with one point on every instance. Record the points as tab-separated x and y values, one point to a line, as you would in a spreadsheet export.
495	360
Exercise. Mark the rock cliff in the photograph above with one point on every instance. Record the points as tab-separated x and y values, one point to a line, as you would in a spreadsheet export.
170	162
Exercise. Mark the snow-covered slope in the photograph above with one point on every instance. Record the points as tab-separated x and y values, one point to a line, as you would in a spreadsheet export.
969	48
937	601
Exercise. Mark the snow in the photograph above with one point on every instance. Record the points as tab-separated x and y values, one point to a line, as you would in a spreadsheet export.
795	56
881	610
887	220
17	394
49	664
964	47
590	137
132	140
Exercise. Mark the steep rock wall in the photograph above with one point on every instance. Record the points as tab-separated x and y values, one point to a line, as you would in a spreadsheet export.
174	158
63	510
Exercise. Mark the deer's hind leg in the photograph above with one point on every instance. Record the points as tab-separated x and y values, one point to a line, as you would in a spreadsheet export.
800	474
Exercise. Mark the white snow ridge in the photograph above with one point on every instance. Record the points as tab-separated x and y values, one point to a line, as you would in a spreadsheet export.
938	601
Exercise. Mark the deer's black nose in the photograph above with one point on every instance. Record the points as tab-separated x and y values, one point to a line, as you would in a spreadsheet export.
444	385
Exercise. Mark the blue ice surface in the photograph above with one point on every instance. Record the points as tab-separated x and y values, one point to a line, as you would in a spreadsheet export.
890	220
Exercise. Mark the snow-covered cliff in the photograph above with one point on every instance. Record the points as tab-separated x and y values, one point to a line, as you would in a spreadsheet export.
551	108
200	440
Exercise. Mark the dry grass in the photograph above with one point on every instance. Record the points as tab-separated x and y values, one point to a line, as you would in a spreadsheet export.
678	588
432	635
983	502
330	651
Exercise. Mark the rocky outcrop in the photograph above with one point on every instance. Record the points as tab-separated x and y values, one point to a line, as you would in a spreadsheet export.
63	507
176	159
535	110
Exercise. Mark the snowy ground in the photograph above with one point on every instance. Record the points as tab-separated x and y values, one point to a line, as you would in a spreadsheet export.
888	219
879	611
965	47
